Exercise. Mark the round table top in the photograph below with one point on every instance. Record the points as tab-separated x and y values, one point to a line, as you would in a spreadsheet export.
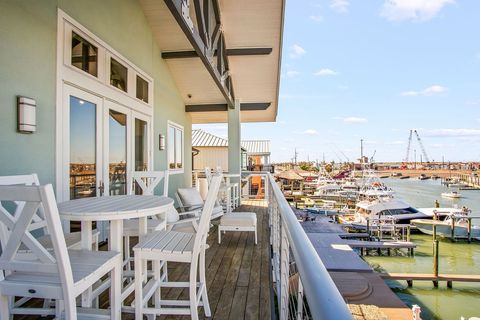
113	207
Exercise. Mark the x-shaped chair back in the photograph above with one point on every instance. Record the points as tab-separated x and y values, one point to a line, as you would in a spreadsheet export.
38	220
40	260
147	181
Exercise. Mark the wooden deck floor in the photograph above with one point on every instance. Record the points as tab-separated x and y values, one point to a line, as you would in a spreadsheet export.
238	273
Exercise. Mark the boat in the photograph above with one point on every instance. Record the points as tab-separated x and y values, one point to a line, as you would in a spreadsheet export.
423	177
444	228
452	194
394	209
404	177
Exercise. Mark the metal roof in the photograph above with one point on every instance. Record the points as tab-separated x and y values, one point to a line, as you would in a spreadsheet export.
257	146
202	138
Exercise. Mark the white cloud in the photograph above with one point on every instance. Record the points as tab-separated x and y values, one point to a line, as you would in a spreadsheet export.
325	72
310	132
316	18
473	102
296	51
442	133
354	120
435	89
415	10
341	6
291	73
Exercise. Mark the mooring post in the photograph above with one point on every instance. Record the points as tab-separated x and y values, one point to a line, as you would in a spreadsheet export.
435	256
453	229
469	230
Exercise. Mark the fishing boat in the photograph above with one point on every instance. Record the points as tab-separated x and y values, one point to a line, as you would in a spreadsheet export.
453	194
423	177
394	209
459	222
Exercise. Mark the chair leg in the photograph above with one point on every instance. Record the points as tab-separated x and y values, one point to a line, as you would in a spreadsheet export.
219	235
4	307
70	308
126	241
193	289
206	305
165	271
157	275
116	292
255	234
138	287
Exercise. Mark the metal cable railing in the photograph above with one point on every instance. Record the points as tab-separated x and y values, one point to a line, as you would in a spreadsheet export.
302	286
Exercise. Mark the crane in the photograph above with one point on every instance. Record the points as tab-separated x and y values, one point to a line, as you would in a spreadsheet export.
422	147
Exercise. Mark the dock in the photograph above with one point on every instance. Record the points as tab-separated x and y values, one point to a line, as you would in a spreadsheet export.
449	278
359	285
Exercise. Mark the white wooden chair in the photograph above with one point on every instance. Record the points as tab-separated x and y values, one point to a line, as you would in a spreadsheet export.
73	239
144	182
59	274
177	247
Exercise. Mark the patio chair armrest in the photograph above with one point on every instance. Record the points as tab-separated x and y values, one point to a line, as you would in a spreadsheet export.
188	220
191	208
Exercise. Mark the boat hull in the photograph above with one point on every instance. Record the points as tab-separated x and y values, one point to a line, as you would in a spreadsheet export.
444	229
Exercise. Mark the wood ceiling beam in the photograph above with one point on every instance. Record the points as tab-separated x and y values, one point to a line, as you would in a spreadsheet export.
215	107
230	52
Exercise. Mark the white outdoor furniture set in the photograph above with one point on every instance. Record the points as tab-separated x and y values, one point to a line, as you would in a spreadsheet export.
39	261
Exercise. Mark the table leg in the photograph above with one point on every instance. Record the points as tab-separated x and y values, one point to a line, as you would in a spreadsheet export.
87	243
116	234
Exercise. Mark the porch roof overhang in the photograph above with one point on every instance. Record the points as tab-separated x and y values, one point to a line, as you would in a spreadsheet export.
235	55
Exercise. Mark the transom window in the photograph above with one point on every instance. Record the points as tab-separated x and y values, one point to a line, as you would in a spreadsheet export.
175	147
118	75
84	55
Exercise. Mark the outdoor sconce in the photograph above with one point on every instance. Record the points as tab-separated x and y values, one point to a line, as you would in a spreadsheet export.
26	109
161	141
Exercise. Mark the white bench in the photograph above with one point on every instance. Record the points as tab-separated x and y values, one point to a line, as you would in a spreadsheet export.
238	221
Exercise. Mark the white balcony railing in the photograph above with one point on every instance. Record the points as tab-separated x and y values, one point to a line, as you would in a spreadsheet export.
302	286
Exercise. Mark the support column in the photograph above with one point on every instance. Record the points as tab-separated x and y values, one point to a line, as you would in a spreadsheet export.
234	140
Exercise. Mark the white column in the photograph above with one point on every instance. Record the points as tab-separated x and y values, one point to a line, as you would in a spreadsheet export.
234	140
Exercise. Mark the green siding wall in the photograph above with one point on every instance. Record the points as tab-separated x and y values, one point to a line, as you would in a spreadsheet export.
28	67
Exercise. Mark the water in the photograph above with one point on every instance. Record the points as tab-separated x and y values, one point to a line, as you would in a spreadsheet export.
461	258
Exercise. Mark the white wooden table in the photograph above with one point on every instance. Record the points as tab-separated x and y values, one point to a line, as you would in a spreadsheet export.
114	209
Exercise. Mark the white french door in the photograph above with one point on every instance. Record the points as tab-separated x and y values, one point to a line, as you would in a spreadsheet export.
102	142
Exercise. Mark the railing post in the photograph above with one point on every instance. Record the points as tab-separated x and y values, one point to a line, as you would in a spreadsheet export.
284	272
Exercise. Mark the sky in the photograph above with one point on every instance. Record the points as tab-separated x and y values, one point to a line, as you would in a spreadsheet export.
374	70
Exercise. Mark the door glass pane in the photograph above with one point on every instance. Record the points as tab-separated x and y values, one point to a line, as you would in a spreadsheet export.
84	54
178	148
171	148
82	148
141	156
117	162
118	75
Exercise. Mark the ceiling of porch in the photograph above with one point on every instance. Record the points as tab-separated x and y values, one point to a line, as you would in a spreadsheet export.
255	78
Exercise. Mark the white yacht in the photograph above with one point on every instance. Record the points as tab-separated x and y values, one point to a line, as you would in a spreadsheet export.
395	209
452	194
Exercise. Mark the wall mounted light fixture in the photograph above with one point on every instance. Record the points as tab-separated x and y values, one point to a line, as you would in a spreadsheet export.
26	113
161	141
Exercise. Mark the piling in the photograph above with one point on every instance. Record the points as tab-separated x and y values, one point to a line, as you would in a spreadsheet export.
469	230
435	256
453	229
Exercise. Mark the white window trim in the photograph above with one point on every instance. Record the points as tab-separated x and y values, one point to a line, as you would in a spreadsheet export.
66	74
178	127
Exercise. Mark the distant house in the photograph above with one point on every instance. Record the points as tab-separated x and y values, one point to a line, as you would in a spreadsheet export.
212	151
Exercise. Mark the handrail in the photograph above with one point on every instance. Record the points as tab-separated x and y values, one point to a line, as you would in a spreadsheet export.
324	299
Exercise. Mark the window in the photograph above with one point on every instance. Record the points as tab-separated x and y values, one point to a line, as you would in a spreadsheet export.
175	147
142	89
118	75
84	55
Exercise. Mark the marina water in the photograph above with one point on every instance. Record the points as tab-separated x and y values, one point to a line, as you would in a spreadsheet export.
455	258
